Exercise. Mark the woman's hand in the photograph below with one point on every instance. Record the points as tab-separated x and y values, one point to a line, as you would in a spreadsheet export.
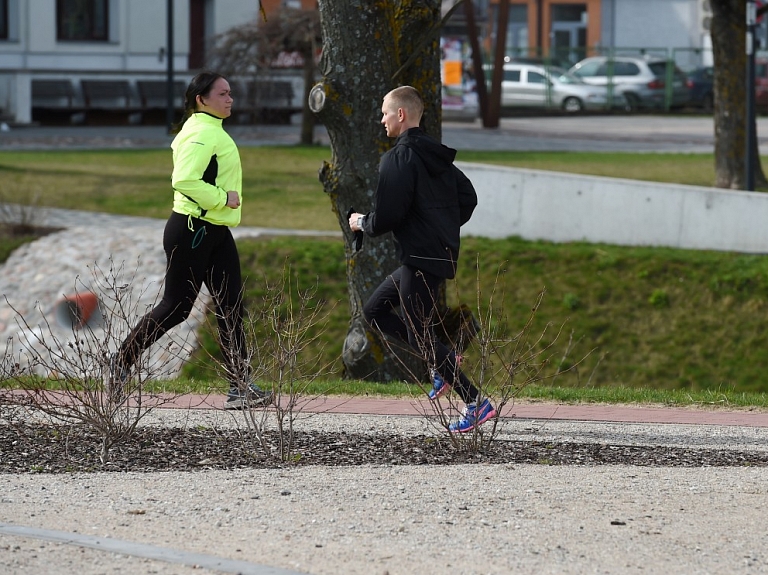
233	200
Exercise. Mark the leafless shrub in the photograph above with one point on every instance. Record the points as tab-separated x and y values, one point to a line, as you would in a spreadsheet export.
283	354
63	374
503	365
21	210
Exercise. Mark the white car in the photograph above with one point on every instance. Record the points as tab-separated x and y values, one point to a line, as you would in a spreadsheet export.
531	85
642	81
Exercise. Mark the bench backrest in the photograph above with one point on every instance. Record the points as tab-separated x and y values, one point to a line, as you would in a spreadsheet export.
60	92
106	93
273	92
153	93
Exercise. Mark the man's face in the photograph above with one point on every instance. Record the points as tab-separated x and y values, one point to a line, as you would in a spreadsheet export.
391	118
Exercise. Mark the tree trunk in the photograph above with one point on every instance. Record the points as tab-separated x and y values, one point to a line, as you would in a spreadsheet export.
369	48
730	81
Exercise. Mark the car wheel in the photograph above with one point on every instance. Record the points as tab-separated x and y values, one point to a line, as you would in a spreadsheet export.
633	101
707	102
572	104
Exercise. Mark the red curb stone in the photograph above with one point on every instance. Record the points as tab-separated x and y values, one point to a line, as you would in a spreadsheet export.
548	411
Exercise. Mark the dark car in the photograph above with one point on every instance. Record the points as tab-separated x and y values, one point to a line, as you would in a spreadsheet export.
700	90
761	85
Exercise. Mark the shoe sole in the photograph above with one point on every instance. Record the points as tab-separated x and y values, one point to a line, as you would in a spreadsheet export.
477	424
251	403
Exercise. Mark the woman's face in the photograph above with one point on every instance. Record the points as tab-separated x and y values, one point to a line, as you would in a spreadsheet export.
218	102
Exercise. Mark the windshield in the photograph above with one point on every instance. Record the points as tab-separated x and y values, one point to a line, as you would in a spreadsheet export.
562	76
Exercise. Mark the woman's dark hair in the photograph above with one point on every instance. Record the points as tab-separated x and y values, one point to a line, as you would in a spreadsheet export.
199	86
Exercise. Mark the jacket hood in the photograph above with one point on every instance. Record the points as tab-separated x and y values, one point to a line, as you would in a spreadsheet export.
437	158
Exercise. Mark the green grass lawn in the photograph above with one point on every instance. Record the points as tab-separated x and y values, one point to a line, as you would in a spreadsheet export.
678	323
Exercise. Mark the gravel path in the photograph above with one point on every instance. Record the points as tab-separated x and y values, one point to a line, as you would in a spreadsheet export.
396	519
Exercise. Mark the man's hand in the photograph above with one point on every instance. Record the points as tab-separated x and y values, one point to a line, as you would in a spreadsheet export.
353	221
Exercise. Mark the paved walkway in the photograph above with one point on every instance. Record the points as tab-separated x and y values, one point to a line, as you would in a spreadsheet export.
534	410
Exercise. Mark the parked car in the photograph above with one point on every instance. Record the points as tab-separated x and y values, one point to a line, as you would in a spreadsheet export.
761	85
642	81
701	81
529	85
700	88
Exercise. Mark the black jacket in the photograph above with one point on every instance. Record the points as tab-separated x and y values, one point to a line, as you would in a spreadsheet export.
423	199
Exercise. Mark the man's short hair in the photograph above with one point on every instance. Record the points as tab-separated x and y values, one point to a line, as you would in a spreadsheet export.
408	98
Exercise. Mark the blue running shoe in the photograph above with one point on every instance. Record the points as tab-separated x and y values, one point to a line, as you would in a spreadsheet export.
473	416
439	386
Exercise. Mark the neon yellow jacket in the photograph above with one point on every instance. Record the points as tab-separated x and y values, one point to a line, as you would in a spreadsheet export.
206	164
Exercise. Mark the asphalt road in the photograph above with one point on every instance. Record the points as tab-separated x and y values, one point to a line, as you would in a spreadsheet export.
629	133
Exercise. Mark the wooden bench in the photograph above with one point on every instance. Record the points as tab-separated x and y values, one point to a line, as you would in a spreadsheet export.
109	101
54	101
268	101
153	97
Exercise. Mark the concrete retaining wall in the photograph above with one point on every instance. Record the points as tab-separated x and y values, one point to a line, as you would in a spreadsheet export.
562	207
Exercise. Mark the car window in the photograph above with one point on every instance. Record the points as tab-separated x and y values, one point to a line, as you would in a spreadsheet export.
625	69
535	78
511	75
590	69
658	68
568	78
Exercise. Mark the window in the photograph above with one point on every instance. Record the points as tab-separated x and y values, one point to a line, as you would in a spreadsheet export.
511	75
591	68
3	19
536	78
82	20
625	69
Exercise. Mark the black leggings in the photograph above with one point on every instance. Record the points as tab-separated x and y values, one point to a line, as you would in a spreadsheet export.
415	292
205	254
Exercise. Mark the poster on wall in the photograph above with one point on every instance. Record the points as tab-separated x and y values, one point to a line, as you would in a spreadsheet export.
459	89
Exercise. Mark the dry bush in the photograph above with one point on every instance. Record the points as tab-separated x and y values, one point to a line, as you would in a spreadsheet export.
281	338
61	374
500	366
21	211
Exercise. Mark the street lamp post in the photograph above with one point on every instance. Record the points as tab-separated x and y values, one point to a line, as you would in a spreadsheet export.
169	112
749	164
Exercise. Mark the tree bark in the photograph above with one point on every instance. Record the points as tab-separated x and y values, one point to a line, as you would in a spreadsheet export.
369	48
730	81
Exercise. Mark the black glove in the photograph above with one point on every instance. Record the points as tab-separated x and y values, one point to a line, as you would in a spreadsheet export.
357	239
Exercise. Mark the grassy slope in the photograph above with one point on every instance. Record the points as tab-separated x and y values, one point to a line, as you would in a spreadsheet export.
666	319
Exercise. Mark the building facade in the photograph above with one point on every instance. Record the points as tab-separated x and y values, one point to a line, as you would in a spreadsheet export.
103	40
569	30
44	41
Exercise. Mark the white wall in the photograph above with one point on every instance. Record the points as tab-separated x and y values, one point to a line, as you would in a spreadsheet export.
559	207
660	23
663	24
